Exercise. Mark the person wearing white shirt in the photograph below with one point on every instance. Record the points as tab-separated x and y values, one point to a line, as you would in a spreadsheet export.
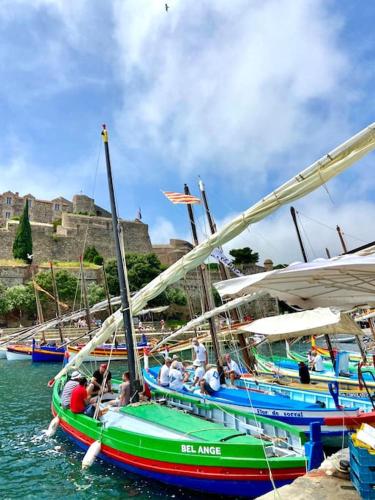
163	377
232	370
210	383
198	373
318	363
175	377
200	352
180	366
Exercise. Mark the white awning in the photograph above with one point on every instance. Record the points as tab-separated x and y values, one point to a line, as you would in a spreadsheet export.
315	322
343	282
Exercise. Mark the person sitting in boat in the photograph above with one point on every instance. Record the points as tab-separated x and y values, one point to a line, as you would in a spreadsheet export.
95	386
176	380
80	399
123	392
304	375
317	363
198	373
210	383
68	389
163	377
199	352
180	366
231	368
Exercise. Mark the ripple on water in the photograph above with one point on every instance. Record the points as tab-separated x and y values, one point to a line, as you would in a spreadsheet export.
33	467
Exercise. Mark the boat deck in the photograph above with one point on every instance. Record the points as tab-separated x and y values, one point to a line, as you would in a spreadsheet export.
145	418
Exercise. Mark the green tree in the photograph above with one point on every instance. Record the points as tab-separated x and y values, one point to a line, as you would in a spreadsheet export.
142	268
175	296
95	294
23	244
66	282
244	256
20	298
3	302
92	255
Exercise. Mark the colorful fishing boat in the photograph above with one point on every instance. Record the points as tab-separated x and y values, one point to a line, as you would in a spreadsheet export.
186	451
290	407
354	357
105	352
18	352
35	352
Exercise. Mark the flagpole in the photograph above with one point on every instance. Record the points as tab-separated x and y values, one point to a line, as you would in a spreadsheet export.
208	302
225	275
124	293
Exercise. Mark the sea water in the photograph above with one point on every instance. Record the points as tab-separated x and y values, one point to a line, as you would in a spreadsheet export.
32	466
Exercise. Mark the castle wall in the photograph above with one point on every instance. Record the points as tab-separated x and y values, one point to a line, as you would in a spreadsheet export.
76	233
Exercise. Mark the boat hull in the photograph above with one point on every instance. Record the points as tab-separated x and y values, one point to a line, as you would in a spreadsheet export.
103	353
196	456
48	354
291	412
18	353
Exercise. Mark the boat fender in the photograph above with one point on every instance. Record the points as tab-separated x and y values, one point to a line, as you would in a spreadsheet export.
51	382
52	428
91	454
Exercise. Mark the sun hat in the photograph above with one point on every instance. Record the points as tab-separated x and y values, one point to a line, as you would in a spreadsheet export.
175	356
75	375
197	362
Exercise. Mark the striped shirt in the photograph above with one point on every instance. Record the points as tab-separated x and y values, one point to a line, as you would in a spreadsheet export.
67	392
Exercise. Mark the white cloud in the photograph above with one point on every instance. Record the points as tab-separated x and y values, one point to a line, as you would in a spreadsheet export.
230	86
163	230
275	237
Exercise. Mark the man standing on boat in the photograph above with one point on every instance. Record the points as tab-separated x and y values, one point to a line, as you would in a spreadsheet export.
199	352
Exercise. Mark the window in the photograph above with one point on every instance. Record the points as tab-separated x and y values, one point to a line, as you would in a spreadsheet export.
9	200
29	202
57	207
7	215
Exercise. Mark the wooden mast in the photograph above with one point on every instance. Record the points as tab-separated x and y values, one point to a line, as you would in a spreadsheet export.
207	295
124	292
39	308
85	299
327	339
110	310
224	274
57	302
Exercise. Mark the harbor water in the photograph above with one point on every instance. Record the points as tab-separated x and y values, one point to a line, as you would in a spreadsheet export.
32	466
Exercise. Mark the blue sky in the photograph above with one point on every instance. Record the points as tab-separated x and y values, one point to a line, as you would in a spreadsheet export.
244	93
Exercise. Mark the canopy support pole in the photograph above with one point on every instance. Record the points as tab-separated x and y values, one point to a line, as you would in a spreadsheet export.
330	348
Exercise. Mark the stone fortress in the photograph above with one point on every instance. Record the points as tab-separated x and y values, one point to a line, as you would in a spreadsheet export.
61	229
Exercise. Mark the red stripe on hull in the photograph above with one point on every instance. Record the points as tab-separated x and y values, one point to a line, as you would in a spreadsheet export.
199	471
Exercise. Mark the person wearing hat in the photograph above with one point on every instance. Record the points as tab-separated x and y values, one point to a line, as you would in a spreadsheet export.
98	376
68	389
180	366
198	372
163	377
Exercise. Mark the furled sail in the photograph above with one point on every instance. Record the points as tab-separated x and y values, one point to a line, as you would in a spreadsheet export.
300	185
228	306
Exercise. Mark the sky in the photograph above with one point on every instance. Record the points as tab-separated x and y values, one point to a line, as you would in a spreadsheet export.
244	93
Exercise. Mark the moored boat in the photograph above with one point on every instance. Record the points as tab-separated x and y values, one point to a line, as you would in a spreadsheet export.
186	451
18	352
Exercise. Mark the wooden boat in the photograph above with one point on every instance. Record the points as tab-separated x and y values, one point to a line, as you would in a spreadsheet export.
36	353
289	406
105	352
188	451
18	352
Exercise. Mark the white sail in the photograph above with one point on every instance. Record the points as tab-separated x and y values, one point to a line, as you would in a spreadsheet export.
228	306
300	185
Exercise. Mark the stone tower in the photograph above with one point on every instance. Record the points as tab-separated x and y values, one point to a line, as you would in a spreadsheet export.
83	204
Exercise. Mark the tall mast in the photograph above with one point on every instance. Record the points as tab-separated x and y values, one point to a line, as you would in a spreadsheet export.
85	300
327	339
342	241
124	293
105	281
39	308
294	217
224	273
208	302
57	303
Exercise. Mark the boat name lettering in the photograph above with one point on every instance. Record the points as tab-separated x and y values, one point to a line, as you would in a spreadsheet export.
201	450
278	413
